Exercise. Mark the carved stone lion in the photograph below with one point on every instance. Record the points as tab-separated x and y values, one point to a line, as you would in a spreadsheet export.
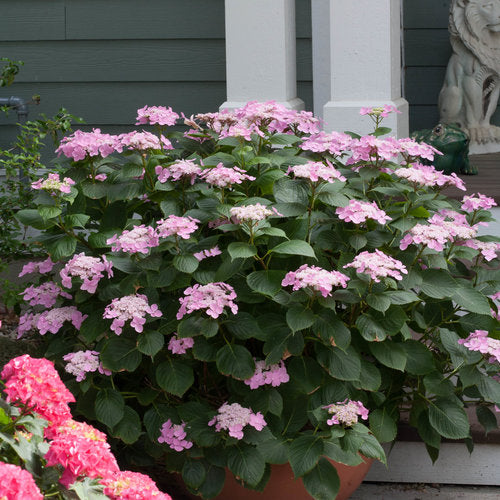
470	92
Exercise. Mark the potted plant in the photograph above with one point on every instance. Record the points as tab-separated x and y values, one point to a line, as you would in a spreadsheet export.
254	292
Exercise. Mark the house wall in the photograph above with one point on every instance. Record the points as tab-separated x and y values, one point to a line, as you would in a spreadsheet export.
426	53
103	59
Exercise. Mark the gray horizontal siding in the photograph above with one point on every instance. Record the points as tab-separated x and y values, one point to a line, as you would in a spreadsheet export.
103	59
427	50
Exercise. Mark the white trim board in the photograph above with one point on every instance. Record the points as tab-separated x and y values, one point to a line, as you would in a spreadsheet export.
408	462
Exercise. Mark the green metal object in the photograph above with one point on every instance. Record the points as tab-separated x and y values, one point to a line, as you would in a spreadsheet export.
453	142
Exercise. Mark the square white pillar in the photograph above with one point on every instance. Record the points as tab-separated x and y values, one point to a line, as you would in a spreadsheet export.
365	63
260	53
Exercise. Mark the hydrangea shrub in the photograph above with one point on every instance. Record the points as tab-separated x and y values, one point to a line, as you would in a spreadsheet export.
255	291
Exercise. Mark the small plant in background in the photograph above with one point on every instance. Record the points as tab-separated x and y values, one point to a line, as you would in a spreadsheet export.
45	453
257	292
9	71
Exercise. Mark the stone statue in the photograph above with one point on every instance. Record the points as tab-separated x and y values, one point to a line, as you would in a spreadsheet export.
469	95
453	142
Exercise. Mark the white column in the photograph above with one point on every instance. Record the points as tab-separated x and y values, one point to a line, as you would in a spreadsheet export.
260	53
365	64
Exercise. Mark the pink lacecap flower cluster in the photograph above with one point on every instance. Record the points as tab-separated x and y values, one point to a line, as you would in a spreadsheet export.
186	169
212	297
54	185
234	417
44	295
143	140
99	177
89	269
52	320
252	213
156	115
178	345
446	225
358	211
131	307
138	240
128	485
211	252
378	265
316	278
346	412
496	314
42	267
382	111
488	249
82	362
27	322
335	143
477	202
80	144
175	436
222	176
427	175
174	225
316	171
35	382
17	484
260	118
274	375
410	148
478	340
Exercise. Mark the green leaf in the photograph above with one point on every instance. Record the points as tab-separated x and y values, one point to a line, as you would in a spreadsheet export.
486	418
4	418
266	282
471	300
49	212
448	419
383	426
284	139
402	297
186	263
63	246
150	342
272	231
245	462
428	434
244	326
214	482
343	365
95	190
294	247
369	378
31	217
87	489
193	473
109	407
120	354
334	451
305	374
238	250
124	191
370	329
304	453
299	317
420	360
129	427
323	481
438	283
371	448
174	376
197	325
235	360
331	328
379	302
358	241
76	220
389	354
274	451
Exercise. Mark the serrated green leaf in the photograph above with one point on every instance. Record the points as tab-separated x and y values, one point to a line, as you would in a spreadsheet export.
383	426
109	407
322	482
299	317
186	263
235	360
448	419
150	342
266	282
174	376
471	300
294	247
390	354
304	453
128	429
240	250
245	462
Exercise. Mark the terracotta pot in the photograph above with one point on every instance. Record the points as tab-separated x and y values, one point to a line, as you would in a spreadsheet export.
282	484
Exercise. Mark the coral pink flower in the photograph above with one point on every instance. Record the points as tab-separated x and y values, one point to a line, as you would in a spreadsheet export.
126	485
17	484
234	417
316	278
36	383
132	307
212	297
